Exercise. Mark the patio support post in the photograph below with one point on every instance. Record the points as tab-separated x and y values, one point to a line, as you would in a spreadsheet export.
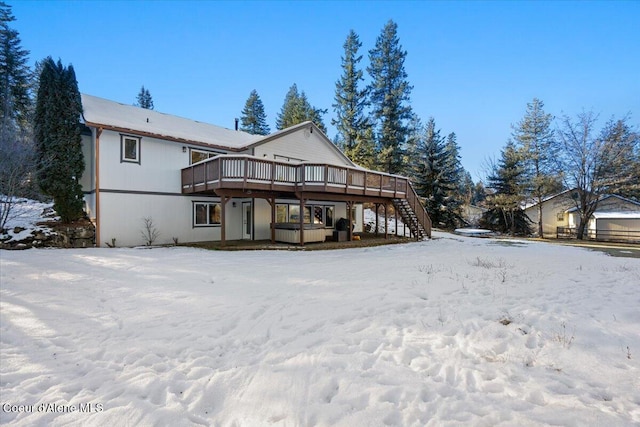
272	202
395	212
350	221
223	225
301	221
377	226
386	221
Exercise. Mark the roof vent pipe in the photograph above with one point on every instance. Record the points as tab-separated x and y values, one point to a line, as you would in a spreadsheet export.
237	120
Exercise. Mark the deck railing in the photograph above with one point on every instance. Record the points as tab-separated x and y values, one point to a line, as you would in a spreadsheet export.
228	171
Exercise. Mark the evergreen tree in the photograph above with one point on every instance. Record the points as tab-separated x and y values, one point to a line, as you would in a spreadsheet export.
254	119
535	138
350	101
437	175
507	180
15	102
467	188
297	109
144	99
390	92
57	129
363	152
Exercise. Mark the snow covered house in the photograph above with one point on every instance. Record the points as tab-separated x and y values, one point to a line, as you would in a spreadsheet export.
199	182
616	217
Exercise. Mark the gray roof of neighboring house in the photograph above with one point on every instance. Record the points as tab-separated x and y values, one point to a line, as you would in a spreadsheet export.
122	117
607	196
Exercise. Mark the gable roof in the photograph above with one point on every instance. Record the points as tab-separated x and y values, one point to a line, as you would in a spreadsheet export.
295	128
530	203
608	196
99	112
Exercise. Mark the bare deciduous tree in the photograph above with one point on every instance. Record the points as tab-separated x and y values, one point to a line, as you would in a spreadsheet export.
594	164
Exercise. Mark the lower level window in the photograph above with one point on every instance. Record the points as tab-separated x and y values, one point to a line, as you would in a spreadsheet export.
322	215
206	214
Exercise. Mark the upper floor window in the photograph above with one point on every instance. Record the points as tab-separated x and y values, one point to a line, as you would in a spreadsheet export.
129	149
200	155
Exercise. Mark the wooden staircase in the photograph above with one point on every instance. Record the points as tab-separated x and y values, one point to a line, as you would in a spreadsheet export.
413	214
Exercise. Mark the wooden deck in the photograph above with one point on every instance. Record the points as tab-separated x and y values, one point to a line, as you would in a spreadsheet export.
247	173
247	176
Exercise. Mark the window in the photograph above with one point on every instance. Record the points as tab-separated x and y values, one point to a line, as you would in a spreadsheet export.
294	214
129	149
206	214
200	155
282	213
328	216
560	216
322	215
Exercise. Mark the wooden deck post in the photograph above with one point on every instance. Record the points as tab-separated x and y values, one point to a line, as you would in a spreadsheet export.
386	220
301	221
223	225
395	211
377	226
350	221
272	202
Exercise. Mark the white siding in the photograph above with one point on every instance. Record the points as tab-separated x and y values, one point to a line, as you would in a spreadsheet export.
158	171
122	214
617	229
301	146
550	211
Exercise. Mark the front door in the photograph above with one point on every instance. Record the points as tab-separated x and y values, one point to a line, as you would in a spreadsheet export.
247	220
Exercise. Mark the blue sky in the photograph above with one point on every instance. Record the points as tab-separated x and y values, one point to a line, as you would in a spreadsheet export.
473	65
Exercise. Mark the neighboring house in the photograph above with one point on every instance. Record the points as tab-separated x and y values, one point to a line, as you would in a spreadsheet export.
199	182
554	214
616	218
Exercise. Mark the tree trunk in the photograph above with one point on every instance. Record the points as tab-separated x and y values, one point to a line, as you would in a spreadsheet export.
580	229
540	228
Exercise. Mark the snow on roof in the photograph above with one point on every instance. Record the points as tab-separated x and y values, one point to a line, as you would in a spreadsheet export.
617	215
531	203
99	111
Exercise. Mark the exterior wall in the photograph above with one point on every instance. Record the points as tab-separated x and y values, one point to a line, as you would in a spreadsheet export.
122	214
622	229
616	204
87	181
158	171
301	146
550	211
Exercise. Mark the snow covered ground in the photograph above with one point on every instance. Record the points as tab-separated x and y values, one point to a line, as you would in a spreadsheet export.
452	331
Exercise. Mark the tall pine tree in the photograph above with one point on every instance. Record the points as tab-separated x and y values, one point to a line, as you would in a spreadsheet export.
507	180
253	119
437	174
535	138
15	102
297	109
144	99
350	102
57	129
390	100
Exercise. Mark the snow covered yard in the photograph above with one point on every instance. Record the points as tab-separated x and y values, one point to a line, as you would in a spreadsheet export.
453	331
